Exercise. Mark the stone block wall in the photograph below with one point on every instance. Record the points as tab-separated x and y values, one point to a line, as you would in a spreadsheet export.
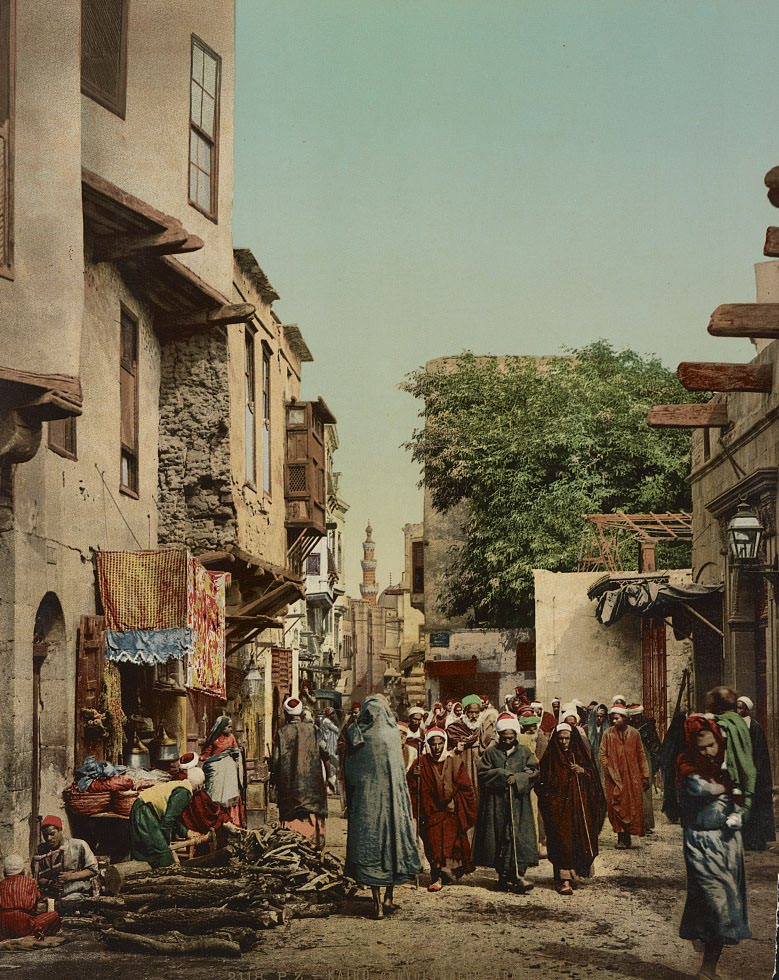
196	506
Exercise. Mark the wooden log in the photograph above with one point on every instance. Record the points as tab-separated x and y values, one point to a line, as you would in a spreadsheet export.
745	320
170	944
196	922
192	894
713	376
706	416
116	875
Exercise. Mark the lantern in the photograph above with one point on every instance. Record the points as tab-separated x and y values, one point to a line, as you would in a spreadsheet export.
744	534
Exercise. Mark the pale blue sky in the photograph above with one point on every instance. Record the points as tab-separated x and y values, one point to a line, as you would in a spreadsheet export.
417	178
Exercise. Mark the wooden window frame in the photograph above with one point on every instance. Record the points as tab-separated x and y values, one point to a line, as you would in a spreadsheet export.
131	451
213	213
250	404
314	560
7	127
118	105
267	355
59	448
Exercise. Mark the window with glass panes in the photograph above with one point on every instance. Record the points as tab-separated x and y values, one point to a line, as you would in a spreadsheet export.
251	408
204	127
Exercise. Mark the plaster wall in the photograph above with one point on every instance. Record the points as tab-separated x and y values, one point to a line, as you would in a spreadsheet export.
147	152
40	309
577	657
63	513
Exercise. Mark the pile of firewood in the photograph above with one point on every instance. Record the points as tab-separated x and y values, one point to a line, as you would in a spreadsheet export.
265	879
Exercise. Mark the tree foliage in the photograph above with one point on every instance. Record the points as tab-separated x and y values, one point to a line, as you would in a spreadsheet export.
532	445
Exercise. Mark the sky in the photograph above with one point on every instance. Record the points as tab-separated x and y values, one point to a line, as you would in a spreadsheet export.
508	177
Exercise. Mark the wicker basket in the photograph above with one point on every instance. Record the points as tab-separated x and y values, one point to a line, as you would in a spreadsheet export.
87	804
123	801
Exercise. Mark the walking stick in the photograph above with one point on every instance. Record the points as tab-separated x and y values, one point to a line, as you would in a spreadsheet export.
513	834
584	815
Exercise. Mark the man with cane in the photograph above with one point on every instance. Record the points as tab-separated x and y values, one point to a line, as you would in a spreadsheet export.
505	836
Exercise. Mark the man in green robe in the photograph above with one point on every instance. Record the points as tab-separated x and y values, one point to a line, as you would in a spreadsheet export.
505	836
155	818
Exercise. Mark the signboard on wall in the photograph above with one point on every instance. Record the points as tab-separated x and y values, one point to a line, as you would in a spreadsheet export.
439	639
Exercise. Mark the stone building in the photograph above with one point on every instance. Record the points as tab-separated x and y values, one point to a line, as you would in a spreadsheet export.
155	402
735	454
116	242
458	661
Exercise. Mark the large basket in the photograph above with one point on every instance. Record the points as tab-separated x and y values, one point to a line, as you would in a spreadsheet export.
87	804
123	801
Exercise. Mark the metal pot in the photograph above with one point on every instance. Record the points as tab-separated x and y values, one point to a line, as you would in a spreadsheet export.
139	755
166	749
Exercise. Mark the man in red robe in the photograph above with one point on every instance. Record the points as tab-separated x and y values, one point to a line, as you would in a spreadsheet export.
448	811
22	910
625	776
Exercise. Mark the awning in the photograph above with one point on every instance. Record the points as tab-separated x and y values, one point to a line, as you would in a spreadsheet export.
657	598
334	696
451	668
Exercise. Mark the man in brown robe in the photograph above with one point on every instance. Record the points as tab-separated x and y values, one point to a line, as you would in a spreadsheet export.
625	776
447	811
467	739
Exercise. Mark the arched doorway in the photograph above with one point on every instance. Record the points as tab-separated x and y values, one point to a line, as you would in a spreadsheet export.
49	711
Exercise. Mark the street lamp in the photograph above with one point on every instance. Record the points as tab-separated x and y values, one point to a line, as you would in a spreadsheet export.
252	680
745	533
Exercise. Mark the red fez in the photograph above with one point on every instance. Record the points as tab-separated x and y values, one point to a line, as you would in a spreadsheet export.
356	704
51	821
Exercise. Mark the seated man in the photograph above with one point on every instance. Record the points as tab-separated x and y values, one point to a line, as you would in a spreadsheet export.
63	865
22	911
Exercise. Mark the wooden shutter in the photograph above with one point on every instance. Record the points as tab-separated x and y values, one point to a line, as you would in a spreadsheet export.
104	53
89	682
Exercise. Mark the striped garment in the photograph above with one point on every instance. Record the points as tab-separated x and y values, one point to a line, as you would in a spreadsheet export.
18	898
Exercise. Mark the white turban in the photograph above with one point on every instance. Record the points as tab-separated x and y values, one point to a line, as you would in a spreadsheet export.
196	777
618	709
13	865
292	706
536	704
635	709
619	697
435	733
507	722
748	702
569	709
563	727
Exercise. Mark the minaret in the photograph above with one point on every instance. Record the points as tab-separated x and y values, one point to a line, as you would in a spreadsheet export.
368	587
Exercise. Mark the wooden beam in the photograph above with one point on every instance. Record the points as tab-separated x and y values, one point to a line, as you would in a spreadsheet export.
771	247
713	376
172	241
745	320
710	415
230	313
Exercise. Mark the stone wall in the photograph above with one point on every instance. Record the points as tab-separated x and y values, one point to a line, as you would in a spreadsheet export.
196	505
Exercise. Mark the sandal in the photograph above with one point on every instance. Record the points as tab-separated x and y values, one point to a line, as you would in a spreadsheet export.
565	889
435	886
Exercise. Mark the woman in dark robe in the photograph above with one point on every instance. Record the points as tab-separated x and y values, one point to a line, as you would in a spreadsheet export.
381	846
759	828
715	912
505	836
297	771
570	797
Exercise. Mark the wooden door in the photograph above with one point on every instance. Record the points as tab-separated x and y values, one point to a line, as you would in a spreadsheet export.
653	663
89	683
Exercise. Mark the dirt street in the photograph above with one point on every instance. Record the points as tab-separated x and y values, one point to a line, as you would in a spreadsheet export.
622	924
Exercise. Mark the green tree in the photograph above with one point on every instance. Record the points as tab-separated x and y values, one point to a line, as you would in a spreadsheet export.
532	445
